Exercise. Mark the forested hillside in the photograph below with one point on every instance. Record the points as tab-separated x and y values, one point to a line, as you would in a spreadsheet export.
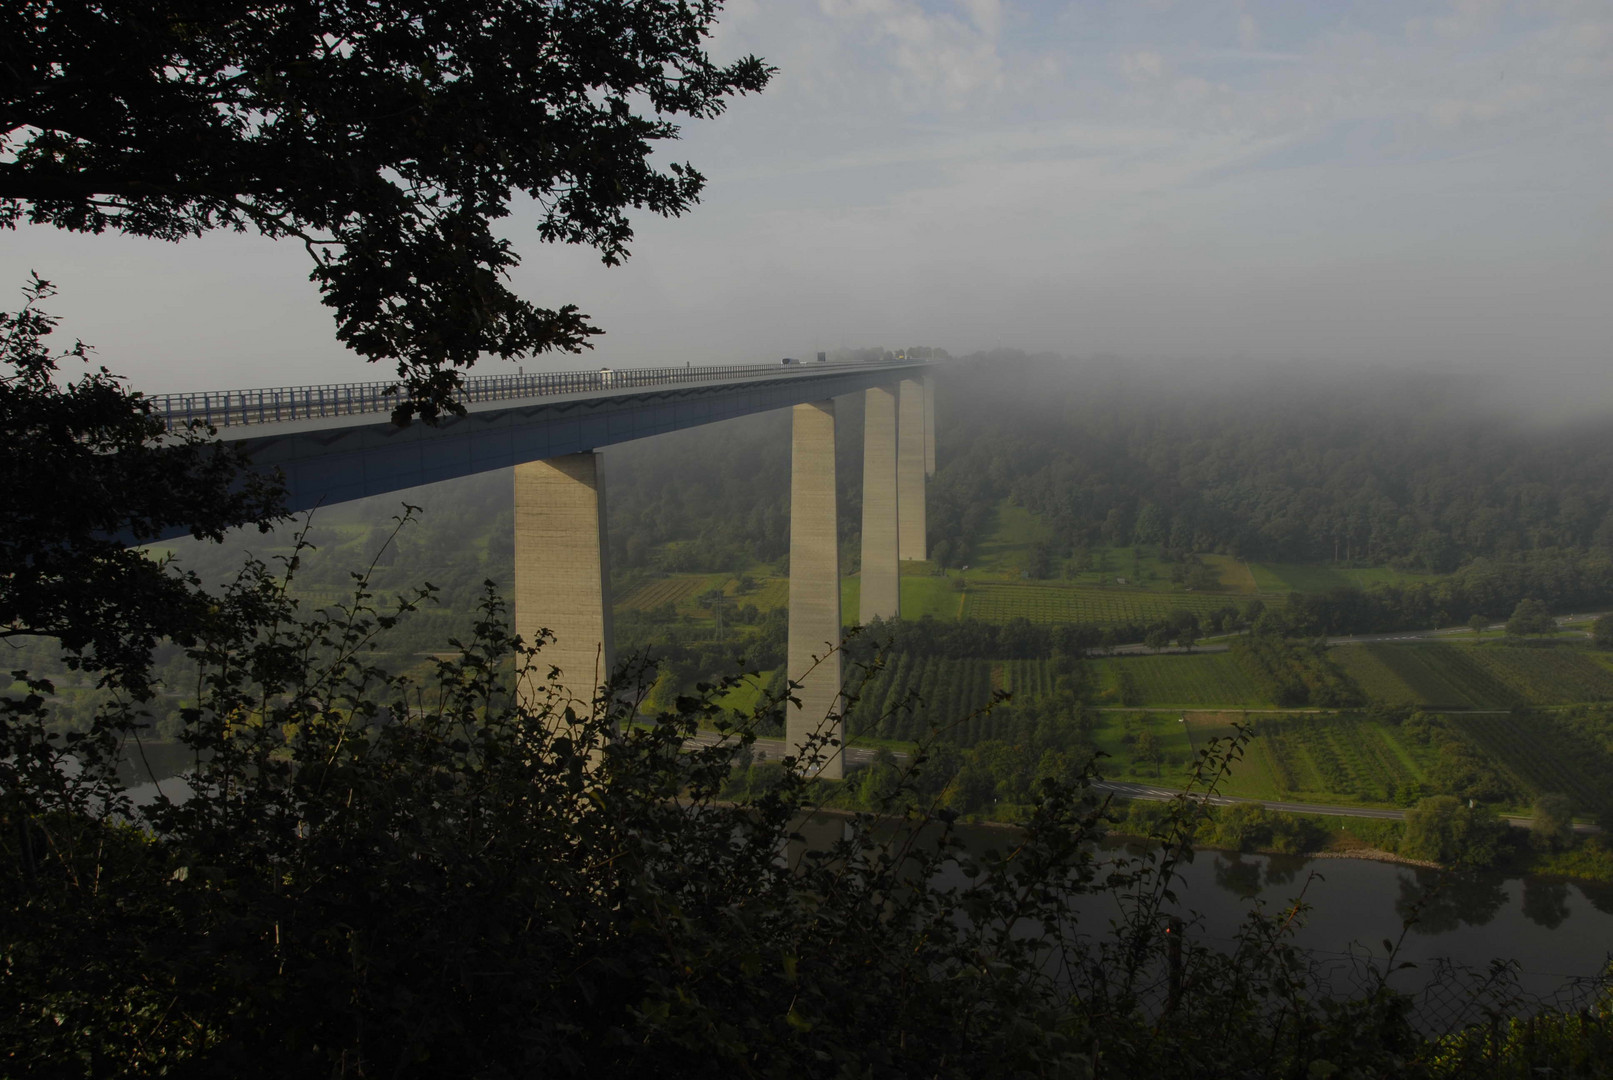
1474	508
1421	471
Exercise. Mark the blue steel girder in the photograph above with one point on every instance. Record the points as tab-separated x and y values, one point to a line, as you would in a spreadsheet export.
335	459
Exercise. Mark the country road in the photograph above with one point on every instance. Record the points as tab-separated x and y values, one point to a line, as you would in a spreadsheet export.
1146	791
1398	635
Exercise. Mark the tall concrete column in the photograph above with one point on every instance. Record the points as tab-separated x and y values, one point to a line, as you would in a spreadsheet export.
879	595
929	425
562	574
814	657
910	471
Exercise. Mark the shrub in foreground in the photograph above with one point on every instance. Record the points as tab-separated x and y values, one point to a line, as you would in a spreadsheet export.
469	877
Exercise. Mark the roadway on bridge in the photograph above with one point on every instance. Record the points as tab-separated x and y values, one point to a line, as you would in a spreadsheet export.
331	450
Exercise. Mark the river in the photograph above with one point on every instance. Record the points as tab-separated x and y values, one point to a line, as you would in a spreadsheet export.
1451	927
1554	932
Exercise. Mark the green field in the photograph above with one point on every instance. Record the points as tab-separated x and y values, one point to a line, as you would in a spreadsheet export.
1552	676
1286	577
1115	734
744	698
679	591
1205	679
1539	755
1006	549
1318	758
912	695
990	602
936	596
1492	676
1023	678
1438	676
1235	574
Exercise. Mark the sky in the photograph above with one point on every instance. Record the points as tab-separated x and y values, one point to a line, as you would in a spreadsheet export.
1323	184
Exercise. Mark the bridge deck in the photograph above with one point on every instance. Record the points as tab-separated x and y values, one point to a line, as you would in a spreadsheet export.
334	450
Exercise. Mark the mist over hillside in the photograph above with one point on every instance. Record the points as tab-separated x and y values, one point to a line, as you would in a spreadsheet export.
1419	470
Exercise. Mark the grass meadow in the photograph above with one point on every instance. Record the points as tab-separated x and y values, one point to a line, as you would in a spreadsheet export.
1191	681
1045	603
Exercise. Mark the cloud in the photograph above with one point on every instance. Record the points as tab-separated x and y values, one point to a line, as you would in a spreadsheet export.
1327	178
942	60
1248	32
1145	64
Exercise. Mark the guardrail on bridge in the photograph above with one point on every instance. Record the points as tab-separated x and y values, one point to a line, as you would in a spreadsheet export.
229	408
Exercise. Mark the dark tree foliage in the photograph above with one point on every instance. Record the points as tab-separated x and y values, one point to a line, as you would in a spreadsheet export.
450	878
385	135
85	469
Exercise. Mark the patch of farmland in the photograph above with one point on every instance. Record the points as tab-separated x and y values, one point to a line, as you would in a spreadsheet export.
1549	676
744	698
1439	676
1252	776
1275	577
934	596
1007	546
681	589
1204	679
1115	734
1345	757
914	695
1540	755
1285	577
1375	678
1234	573
1319	758
998	603
768	594
1027	679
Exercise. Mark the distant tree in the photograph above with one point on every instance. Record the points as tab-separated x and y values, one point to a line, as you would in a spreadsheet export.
387	138
1270	624
1436	829
1185	626
1158	637
1040	562
1553	823
1530	617
1252	611
1150	527
1148	751
1478	624
974	789
1242	826
1444	829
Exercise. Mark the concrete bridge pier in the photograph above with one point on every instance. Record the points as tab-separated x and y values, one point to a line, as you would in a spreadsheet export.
910	471
815	631
562	575
879	594
929	425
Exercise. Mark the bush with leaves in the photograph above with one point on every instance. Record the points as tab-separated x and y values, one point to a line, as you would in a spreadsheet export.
450	877
85	471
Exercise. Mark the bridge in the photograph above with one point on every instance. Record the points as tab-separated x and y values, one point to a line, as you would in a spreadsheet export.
337	442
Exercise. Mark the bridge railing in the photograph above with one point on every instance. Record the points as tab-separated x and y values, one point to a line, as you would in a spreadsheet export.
230	408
